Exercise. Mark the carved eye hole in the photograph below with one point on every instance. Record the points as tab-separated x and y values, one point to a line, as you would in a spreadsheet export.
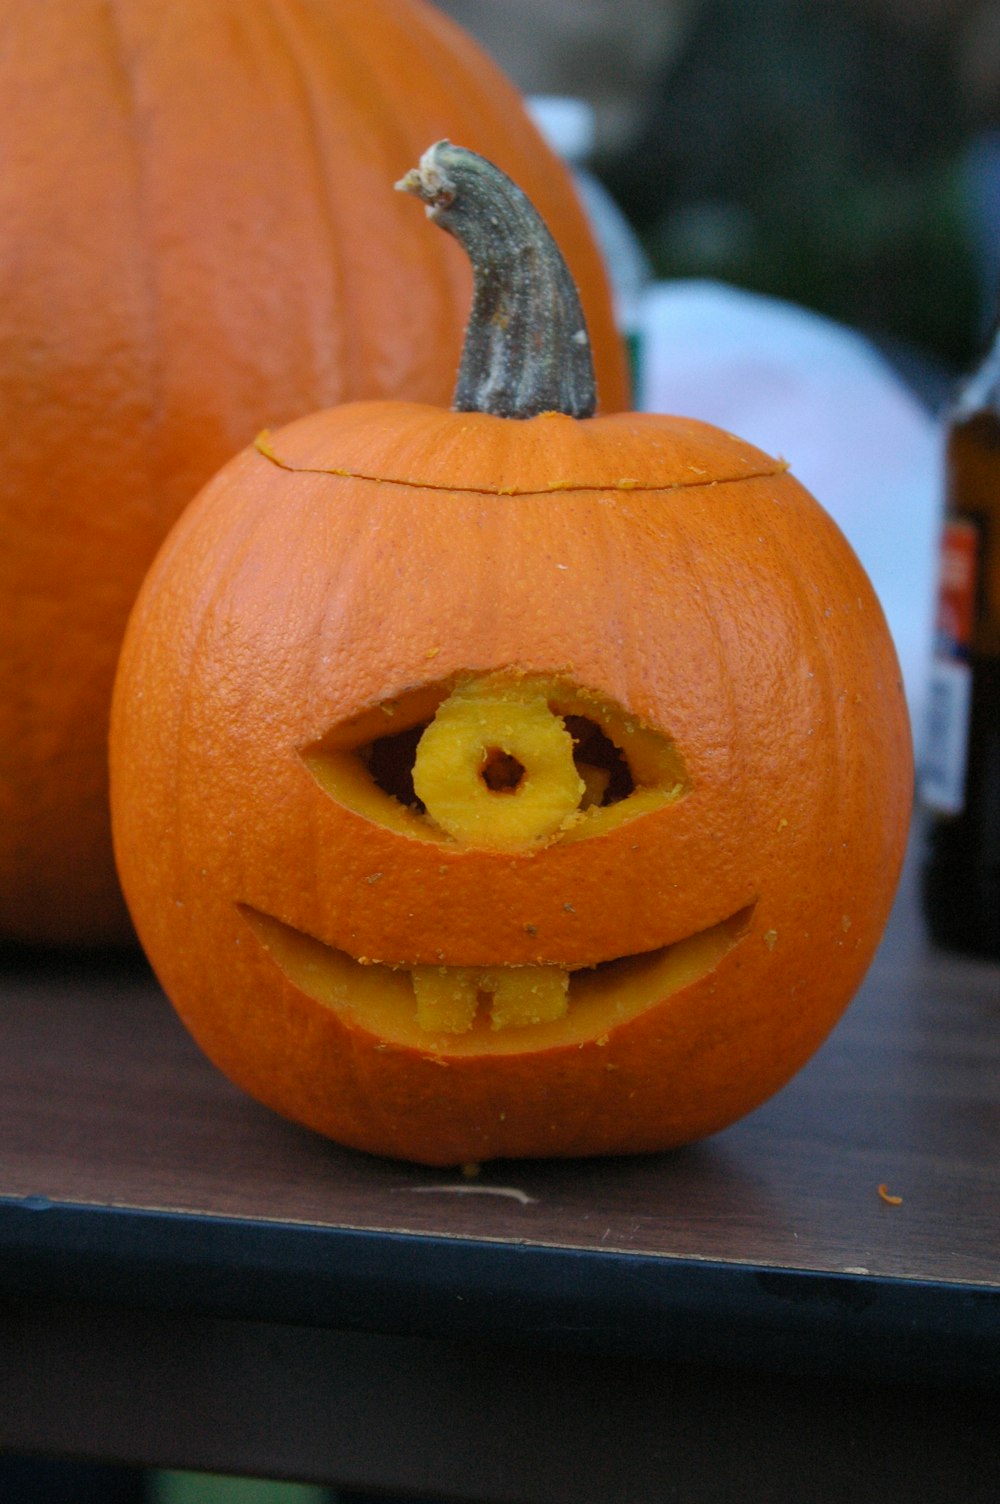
389	760
603	766
500	761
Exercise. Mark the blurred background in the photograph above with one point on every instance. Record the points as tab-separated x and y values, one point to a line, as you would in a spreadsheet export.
840	153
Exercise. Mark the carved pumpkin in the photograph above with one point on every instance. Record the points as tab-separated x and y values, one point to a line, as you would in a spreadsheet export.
508	785
197	241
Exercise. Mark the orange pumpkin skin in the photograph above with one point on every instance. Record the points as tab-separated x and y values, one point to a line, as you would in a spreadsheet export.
655	562
198	241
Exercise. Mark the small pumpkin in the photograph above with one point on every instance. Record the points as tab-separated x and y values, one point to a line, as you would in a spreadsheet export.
195	240
508	781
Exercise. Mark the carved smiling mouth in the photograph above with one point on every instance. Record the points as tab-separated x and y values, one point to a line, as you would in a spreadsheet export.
464	1009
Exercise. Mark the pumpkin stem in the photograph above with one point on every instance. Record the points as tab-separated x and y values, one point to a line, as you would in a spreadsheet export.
526	350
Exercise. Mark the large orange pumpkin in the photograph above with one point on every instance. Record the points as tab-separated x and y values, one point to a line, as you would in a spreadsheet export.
505	786
195	241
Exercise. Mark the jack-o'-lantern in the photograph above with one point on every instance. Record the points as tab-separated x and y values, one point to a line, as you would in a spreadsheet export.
507	781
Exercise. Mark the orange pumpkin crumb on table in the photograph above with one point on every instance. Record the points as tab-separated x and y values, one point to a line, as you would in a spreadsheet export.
621	758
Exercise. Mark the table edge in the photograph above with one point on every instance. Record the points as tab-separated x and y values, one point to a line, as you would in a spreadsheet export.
463	1289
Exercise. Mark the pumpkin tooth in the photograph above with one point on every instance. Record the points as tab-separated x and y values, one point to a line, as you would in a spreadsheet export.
448	996
526	995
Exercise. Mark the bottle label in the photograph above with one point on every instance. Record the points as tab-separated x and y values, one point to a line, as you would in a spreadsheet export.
949	690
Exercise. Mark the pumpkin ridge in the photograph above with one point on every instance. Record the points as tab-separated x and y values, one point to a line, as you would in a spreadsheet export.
399	132
710	609
288	27
807	608
153	397
188	735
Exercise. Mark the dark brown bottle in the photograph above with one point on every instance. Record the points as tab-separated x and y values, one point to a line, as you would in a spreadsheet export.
960	775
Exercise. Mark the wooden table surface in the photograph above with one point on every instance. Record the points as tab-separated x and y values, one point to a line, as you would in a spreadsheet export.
183	1275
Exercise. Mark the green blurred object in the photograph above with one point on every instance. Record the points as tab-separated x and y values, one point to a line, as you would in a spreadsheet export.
819	154
214	1488
893	256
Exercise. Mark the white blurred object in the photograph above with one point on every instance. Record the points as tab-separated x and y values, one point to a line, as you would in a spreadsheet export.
808	390
569	127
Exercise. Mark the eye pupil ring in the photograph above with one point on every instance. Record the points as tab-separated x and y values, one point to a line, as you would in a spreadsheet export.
494	768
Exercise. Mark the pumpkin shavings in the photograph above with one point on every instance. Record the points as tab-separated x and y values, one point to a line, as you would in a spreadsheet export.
477	1190
887	1196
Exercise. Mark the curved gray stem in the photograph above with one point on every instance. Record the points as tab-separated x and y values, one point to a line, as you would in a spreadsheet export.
527	350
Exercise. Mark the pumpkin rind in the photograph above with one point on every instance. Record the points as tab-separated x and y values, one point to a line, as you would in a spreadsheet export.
198	241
